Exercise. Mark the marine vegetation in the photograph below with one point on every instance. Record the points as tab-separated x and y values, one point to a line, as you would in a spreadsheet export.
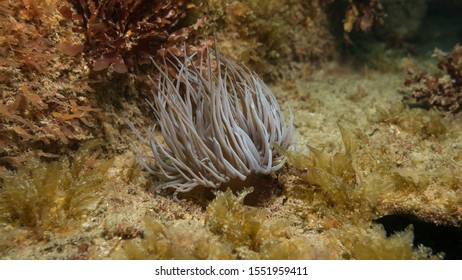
361	15
173	242
267	34
232	230
215	126
46	105
443	91
347	191
254	233
46	196
336	176
118	33
373	243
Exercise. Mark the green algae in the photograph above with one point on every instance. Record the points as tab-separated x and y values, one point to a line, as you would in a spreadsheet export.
174	242
232	230
347	188
52	196
422	122
373	244
267	35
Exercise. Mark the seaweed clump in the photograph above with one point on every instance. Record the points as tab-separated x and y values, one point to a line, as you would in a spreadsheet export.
51	196
266	35
119	33
346	191
338	178
232	231
46	104
421	122
26	29
253	233
361	15
443	91
173	242
274	36
374	244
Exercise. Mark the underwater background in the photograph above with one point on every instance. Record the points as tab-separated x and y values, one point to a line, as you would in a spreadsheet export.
374	87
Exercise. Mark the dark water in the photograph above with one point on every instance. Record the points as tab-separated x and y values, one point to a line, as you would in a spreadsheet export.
411	27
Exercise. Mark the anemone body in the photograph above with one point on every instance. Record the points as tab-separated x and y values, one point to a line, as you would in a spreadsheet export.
218	122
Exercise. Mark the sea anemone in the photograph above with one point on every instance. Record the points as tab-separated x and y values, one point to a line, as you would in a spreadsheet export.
219	121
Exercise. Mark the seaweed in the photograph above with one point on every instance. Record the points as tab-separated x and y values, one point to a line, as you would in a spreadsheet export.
232	231
46	104
348	190
122	34
56	195
374	244
226	217
25	33
417	121
271	36
336	176
361	14
442	91
160	242
252	231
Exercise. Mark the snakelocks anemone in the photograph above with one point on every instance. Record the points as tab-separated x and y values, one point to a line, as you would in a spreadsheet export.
218	122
